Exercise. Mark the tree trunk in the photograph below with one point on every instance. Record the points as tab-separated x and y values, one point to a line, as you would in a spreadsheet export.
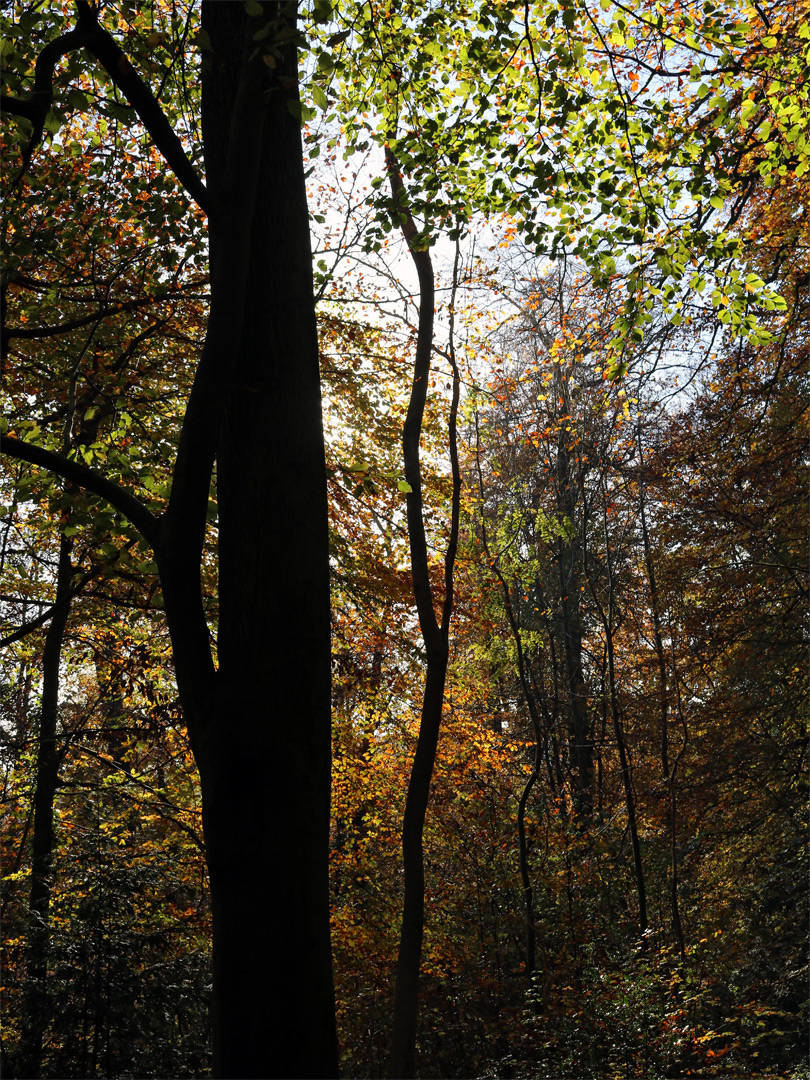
435	635
406	989
569	559
627	781
259	724
663	695
265	765
537	731
607	619
35	1009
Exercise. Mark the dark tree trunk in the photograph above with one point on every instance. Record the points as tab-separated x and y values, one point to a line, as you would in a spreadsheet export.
409	960
606	615
259	723
35	1009
663	697
265	754
569	559
435	635
677	925
627	783
655	608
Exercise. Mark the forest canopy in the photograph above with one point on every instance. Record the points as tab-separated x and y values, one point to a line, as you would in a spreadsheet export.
404	538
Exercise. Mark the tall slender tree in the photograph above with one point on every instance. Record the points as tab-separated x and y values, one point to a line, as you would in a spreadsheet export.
435	636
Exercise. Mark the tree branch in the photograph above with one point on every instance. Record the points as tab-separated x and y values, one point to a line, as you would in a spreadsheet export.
162	802
124	501
35	332
103	46
89	34
36	107
30	627
29	109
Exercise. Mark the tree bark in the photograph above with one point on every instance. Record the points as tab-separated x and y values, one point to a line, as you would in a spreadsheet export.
627	783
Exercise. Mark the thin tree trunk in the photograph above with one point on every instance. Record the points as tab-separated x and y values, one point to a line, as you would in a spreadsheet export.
35	1007
529	698
525	876
658	641
569	555
627	782
677	924
668	773
615	713
553	718
436	640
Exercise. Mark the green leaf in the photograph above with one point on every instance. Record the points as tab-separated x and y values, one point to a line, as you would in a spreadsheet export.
404	486
77	100
53	121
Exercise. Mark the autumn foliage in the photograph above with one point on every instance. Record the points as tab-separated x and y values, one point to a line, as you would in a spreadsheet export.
616	204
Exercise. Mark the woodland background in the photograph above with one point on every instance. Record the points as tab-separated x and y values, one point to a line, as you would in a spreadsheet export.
616	838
